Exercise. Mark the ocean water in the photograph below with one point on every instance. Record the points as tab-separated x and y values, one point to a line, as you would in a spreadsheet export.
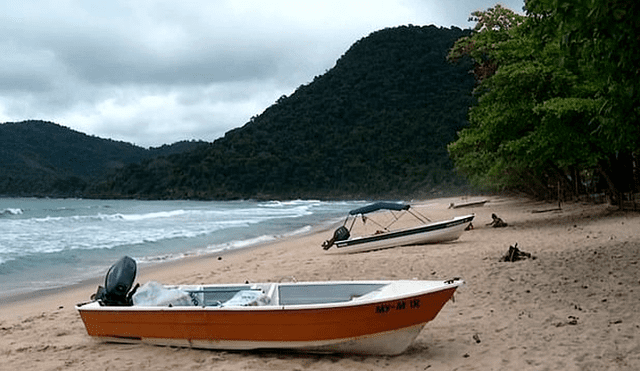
51	243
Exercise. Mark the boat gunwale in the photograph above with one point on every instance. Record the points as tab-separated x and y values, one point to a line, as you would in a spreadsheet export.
94	306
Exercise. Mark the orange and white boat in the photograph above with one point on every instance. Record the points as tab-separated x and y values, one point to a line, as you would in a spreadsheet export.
360	317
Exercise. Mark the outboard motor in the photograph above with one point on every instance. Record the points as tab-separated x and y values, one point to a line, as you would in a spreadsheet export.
341	234
118	283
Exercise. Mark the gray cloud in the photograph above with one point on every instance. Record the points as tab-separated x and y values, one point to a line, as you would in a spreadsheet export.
155	72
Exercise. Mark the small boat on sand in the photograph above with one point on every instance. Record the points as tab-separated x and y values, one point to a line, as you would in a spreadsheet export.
357	317
424	233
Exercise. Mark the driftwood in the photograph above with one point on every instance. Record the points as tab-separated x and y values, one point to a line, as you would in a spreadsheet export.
546	210
467	204
516	254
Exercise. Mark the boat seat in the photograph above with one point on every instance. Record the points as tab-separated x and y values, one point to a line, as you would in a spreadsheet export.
371	295
301	294
272	293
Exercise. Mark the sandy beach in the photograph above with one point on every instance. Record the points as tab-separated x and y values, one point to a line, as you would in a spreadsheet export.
573	306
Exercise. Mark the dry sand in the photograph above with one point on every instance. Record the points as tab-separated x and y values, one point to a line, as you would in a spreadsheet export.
574	307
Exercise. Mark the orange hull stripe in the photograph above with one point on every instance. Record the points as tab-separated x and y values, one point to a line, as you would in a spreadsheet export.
267	325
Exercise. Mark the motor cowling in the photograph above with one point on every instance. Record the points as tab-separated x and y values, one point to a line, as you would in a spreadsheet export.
118	282
340	234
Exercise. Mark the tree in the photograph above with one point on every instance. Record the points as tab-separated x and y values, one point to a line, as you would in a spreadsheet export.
599	40
545	115
493	28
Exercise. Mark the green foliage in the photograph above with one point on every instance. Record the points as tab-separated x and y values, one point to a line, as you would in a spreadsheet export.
559	101
493	28
600	41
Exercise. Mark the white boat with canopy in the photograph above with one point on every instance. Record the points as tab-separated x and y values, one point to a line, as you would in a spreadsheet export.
426	232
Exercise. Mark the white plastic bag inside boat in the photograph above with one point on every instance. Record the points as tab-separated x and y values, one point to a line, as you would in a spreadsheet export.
153	294
247	298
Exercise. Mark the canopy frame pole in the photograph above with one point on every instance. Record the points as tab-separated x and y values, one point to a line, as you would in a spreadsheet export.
421	217
395	219
353	221
376	223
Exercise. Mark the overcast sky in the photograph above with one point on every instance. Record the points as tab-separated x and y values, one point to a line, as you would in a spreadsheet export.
154	72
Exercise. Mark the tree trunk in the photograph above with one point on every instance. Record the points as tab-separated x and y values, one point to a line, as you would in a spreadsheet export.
614	193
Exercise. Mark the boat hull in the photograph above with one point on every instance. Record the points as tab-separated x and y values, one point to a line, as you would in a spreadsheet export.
388	343
438	232
383	326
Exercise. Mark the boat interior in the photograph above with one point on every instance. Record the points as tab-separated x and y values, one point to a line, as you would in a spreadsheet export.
266	294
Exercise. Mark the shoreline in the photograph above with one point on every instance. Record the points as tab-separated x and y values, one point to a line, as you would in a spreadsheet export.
8	303
60	243
573	306
187	258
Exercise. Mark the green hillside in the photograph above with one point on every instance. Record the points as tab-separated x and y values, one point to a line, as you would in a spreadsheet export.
39	158
375	125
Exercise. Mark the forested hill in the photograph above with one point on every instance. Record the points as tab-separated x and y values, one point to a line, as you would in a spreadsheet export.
39	158
375	125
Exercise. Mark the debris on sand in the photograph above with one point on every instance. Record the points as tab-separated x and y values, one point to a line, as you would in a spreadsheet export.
516	254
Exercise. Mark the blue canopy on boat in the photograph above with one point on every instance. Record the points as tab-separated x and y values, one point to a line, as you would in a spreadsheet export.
379	206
